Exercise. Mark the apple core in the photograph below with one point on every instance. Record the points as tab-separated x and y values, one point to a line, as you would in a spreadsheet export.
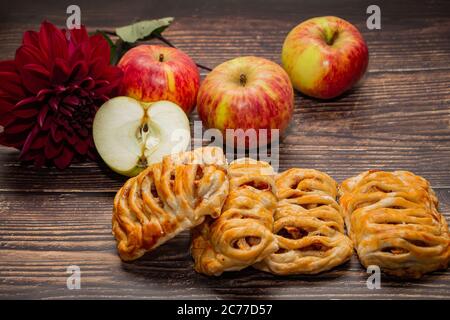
130	135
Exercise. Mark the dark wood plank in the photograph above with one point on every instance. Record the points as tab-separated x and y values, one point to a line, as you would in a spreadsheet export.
414	36
397	118
390	121
42	234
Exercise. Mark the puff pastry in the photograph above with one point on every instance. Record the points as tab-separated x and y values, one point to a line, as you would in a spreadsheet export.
309	225
167	198
393	221
242	235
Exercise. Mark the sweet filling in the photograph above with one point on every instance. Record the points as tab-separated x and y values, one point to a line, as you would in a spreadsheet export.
292	233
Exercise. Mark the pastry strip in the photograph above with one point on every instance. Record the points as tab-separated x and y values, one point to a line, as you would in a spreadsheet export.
309	225
394	223
167	198
242	235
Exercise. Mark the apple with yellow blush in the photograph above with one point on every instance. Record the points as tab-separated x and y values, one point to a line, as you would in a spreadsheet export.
324	56
246	93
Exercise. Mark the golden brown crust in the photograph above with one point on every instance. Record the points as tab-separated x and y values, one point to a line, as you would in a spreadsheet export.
394	223
242	235
167	198
309	225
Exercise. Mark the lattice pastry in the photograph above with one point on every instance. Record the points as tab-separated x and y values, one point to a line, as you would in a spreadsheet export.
309	225
167	198
242	235
393	221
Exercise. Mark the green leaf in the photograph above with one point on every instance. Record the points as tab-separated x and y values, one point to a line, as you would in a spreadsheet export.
143	29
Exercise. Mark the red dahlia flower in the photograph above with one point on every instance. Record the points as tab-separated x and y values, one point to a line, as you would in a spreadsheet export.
50	93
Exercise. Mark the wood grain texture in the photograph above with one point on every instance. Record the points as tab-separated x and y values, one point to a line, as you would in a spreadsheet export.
398	117
35	252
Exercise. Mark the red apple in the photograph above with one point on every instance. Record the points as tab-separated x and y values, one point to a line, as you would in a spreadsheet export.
324	56
246	93
153	73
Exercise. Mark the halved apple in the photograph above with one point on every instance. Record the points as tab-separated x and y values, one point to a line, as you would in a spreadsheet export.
130	135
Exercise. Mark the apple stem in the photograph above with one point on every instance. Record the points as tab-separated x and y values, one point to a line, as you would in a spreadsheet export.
242	79
333	38
161	57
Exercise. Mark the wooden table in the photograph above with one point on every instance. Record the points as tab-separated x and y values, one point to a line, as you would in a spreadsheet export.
397	118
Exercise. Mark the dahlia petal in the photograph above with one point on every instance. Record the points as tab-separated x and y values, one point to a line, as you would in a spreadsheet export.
88	83
60	72
29	140
97	68
100	48
29	156
112	74
26	101
6	115
52	149
31	55
11	86
35	77
42	114
102	84
8	112
80	53
15	141
67	111
48	123
40	141
5	106
8	66
78	36
25	113
71	101
17	126
82	147
31	38
52	41
43	94
83	132
111	84
71	139
64	159
79	71
54	103
27	108
85	93
107	90
56	134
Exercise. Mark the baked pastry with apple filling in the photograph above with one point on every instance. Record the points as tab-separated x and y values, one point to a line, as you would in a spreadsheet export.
242	235
393	220
167	198
309	225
